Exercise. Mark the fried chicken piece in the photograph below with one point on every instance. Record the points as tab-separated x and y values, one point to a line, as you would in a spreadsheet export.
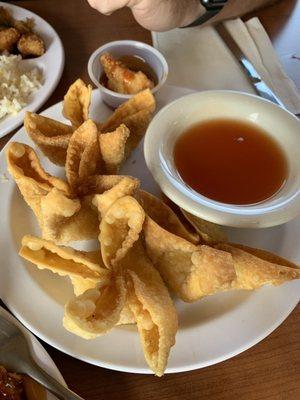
5	18
24	26
8	39
121	79
30	44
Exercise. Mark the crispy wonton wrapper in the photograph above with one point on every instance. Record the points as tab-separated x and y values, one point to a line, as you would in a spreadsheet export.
126	186
150	302
136	114
33	181
98	310
209	232
51	136
193	272
61	218
255	268
77	102
85	270
190	271
164	216
112	147
66	220
83	154
120	228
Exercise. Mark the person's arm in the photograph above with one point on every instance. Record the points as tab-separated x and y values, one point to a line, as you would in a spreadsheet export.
163	15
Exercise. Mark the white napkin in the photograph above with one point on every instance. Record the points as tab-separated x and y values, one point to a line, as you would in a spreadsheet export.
199	59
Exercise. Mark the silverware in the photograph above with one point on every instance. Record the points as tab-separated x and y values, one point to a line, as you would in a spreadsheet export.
262	89
15	355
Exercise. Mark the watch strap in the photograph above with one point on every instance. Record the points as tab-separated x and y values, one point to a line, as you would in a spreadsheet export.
212	8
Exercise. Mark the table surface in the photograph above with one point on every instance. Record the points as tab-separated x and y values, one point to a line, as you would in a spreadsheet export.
269	370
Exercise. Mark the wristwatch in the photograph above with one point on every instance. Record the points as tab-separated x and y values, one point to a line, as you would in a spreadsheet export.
212	8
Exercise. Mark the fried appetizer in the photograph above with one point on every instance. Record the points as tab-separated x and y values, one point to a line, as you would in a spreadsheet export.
77	103
8	39
121	79
6	19
52	137
30	44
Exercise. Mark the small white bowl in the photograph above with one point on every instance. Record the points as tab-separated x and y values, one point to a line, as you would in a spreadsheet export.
176	117
118	49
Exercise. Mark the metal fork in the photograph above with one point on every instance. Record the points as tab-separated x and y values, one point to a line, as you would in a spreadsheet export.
15	355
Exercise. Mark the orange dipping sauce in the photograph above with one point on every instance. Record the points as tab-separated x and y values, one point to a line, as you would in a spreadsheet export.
231	161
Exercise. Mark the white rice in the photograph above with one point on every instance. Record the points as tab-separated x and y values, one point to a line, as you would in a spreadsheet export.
16	86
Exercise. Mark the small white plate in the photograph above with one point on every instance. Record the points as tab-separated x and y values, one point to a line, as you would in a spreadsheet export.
39	353
211	330
51	63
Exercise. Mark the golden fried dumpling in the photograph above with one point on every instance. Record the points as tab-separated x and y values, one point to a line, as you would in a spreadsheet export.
97	310
209	232
120	228
121	79
164	216
51	136
124	186
84	269
152	306
112	148
33	181
256	268
77	103
83	154
136	114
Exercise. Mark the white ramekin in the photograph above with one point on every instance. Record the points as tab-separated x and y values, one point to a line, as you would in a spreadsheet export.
126	47
176	117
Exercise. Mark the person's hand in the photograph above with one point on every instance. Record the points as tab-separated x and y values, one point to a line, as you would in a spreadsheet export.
156	15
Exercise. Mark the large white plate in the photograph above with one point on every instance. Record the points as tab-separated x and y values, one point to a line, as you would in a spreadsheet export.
51	63
211	330
39	353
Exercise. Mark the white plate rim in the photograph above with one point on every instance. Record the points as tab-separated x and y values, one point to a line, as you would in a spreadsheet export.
140	370
9	123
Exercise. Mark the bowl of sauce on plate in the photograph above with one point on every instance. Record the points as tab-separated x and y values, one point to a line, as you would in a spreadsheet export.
231	161
227	157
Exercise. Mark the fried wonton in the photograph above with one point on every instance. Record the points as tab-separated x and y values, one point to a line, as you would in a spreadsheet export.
190	271
136	113
51	136
193	272
112	147
98	310
83	154
120	228
164	216
150	302
66	219
253	271
121	79
85	270
77	103
209	232
126	186
33	181
135	286
61	217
